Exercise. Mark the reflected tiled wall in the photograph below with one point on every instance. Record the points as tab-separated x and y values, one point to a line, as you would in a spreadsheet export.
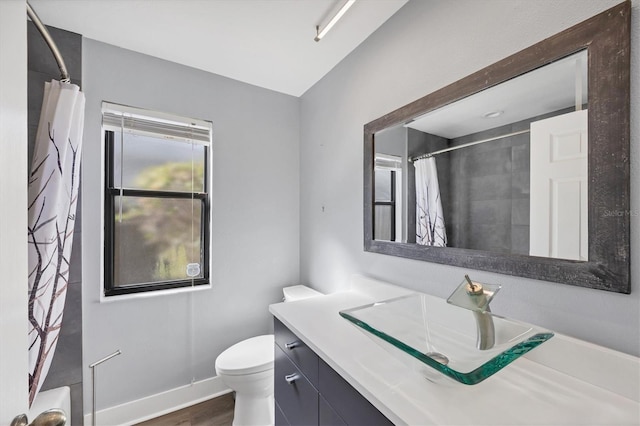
66	367
490	207
489	183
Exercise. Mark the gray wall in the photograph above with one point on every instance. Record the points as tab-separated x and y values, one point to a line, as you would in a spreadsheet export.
66	366
167	340
439	42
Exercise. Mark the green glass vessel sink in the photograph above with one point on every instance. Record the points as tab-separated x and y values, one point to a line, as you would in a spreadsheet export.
464	345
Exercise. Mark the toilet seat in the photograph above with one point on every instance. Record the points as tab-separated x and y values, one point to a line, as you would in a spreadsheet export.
250	356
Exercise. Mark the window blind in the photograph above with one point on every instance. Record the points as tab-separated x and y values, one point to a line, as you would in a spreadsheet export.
151	123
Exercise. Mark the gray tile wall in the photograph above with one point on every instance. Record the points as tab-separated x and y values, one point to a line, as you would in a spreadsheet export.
489	187
490	190
66	367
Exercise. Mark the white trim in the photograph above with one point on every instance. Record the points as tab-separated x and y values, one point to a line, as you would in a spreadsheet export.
153	293
160	404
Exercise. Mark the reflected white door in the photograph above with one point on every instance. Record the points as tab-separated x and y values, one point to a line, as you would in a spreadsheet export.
558	208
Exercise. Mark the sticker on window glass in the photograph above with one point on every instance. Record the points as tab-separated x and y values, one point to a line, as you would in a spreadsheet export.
193	269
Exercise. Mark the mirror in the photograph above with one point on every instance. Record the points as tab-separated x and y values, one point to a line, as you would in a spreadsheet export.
520	168
483	151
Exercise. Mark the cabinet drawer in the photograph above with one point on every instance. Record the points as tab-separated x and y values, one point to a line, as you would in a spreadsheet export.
304	358
347	402
295	396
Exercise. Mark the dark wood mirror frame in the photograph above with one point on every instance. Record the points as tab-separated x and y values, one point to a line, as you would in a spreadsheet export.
606	37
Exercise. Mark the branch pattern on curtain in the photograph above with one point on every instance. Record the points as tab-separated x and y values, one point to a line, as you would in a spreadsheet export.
430	229
53	196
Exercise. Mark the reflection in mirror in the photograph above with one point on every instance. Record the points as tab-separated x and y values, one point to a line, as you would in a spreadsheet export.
388	200
503	170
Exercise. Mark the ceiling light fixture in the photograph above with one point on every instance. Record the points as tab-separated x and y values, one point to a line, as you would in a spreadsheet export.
322	32
493	114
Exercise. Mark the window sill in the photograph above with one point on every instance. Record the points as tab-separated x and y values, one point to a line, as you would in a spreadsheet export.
152	294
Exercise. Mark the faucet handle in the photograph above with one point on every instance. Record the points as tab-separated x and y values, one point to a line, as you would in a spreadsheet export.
473	288
473	295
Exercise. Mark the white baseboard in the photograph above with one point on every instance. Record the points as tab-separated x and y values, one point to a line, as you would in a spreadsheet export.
159	404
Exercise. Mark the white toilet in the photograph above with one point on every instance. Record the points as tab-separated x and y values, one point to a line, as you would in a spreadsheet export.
247	368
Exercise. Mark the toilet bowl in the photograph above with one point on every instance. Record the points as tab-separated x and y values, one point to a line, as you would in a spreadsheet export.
247	368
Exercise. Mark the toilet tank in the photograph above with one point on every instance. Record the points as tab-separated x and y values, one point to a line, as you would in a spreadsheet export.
299	292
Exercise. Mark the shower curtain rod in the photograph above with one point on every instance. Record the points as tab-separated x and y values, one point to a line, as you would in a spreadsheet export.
453	148
64	75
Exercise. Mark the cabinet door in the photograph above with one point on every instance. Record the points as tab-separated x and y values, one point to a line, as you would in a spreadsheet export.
281	420
347	402
295	395
328	416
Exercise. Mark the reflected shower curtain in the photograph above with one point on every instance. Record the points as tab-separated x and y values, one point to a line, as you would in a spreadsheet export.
53	196
430	230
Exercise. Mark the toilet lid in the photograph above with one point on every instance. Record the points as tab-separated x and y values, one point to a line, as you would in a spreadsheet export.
249	356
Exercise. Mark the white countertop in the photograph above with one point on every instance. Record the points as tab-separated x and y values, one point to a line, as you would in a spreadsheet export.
533	390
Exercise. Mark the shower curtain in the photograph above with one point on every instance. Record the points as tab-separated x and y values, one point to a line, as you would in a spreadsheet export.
430	230
53	196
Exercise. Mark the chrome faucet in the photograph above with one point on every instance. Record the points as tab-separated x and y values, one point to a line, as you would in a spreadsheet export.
486	330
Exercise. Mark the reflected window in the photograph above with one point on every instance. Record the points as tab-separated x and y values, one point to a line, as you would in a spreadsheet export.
388	198
156	201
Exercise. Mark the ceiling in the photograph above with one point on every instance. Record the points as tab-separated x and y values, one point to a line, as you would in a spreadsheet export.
267	43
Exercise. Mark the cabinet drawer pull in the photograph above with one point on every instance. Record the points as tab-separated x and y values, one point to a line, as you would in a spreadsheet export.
292	345
291	378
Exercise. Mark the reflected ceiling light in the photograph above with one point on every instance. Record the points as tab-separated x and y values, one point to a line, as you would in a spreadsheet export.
322	32
493	114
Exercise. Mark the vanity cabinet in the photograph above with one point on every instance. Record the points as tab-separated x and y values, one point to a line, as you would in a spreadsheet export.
309	392
296	397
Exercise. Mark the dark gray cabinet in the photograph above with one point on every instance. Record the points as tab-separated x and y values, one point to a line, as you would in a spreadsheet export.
327	416
309	392
296	396
347	402
280	418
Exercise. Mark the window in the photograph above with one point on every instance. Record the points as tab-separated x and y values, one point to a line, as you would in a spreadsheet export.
388	198
385	205
156	218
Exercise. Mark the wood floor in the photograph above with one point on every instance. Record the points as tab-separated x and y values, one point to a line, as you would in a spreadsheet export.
215	412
